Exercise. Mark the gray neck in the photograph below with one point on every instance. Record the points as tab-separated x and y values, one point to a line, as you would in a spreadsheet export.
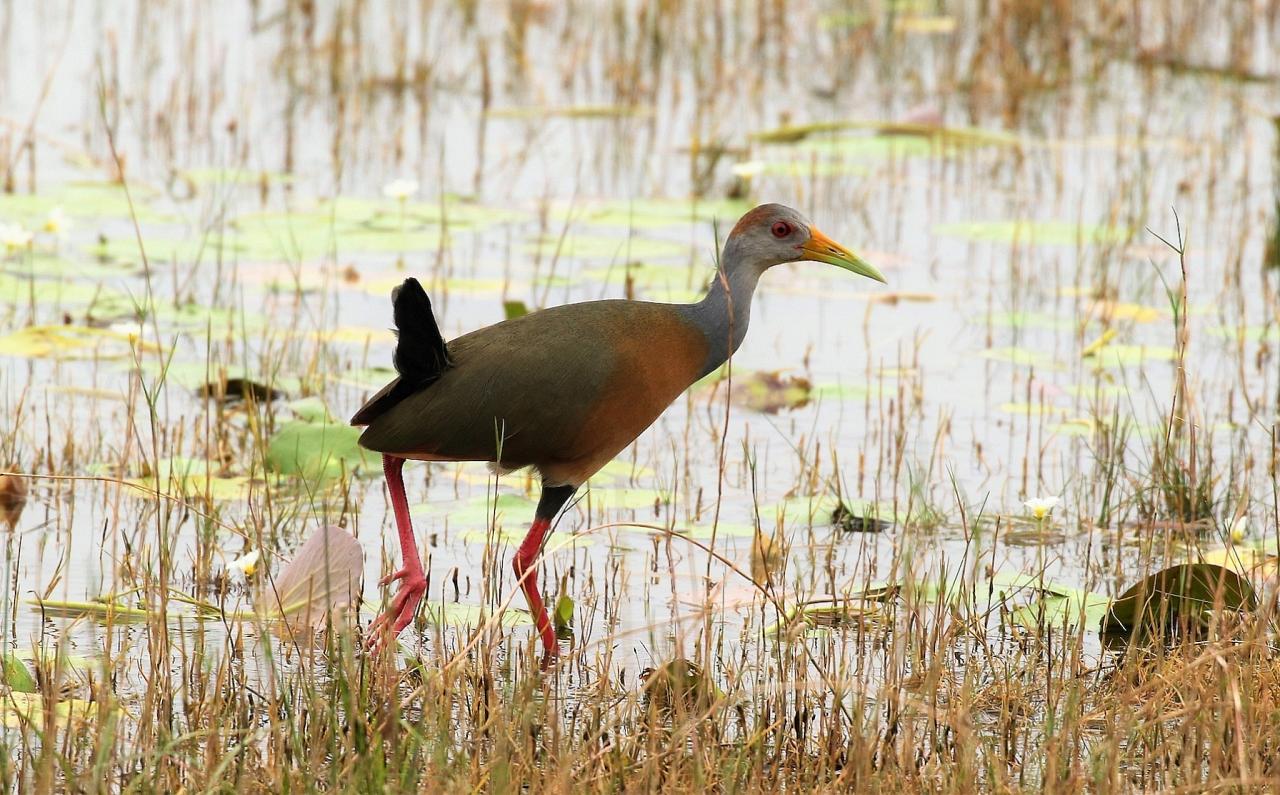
723	314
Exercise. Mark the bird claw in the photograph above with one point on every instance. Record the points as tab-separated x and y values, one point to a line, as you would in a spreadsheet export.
399	613
398	575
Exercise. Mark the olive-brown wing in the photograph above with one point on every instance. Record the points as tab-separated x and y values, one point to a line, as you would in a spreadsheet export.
547	387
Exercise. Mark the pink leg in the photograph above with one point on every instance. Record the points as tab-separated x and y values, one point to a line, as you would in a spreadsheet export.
525	565
413	580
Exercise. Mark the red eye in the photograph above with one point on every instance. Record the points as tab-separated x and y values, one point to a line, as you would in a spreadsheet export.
781	229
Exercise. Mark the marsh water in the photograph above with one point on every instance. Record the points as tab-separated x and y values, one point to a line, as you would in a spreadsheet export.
287	164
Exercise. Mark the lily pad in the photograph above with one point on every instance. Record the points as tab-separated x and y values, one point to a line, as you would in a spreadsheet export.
18	709
678	686
1052	604
771	392
67	342
628	499
80	199
471	616
476	513
317	449
608	247
16	675
195	477
1130	355
51	292
562	616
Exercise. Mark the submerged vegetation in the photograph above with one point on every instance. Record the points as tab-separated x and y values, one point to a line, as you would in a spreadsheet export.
1010	524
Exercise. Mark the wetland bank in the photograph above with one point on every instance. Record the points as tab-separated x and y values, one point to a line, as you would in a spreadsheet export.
874	553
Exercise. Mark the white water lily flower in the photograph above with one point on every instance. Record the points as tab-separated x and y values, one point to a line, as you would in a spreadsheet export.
246	563
400	189
57	222
1041	507
14	238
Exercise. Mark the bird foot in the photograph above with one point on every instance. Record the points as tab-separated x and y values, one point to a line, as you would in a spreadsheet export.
400	612
399	575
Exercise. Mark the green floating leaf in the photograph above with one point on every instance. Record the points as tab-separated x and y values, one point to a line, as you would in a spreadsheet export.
52	292
317	448
310	409
562	617
1052	604
820	616
608	247
475	514
292	237
620	473
471	616
105	610
1126	355
17	676
367	377
67	342
80	199
202	177
628	499
18	709
1181	595
482	535
514	309
195	477
1054	233
161	249
771	392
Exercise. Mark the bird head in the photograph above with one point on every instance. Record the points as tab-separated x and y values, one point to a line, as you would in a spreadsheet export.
772	234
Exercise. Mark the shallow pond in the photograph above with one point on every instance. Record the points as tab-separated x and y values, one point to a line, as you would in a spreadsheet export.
286	167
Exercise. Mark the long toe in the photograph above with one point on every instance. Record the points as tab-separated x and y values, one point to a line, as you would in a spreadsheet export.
398	575
398	614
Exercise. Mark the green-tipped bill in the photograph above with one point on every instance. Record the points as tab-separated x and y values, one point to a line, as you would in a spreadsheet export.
821	248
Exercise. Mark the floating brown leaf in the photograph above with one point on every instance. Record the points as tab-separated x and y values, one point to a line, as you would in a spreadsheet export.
323	576
770	392
13	498
678	685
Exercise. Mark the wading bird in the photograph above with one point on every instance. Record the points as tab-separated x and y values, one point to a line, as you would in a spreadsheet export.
562	390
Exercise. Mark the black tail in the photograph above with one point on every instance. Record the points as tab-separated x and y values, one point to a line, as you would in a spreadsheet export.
421	354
